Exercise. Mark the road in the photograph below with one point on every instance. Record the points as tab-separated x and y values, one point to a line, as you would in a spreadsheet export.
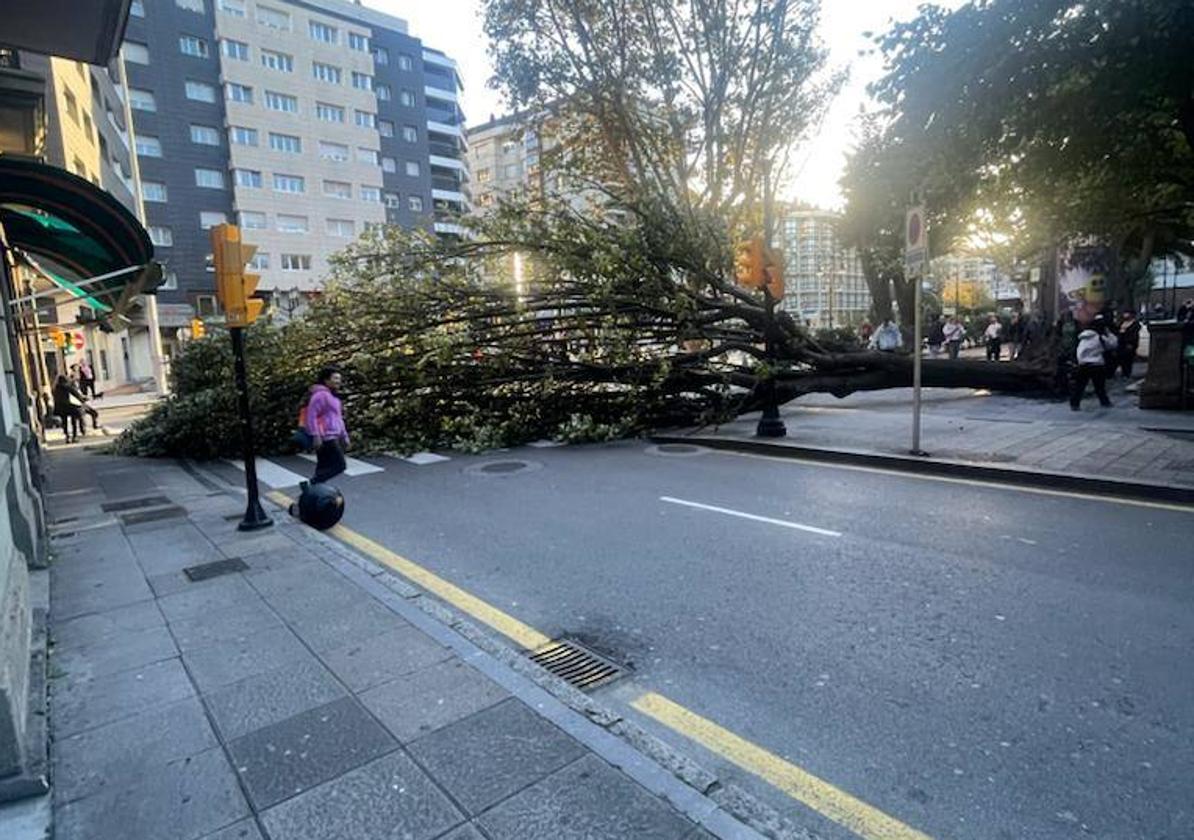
973	661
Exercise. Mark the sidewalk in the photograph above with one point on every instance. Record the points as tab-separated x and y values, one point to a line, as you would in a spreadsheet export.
283	692
961	425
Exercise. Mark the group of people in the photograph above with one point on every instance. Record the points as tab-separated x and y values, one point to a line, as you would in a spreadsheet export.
1092	354
947	335
70	401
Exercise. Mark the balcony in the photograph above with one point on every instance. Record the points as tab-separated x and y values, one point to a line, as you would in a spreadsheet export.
441	182
447	162
448	150
440	94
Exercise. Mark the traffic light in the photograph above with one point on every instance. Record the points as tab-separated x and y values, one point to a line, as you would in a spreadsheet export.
198	328
59	338
748	264
234	286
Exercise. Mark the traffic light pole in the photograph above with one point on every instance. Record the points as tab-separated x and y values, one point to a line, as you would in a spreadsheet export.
255	517
770	424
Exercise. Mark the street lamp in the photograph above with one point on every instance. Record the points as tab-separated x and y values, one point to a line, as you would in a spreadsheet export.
770	425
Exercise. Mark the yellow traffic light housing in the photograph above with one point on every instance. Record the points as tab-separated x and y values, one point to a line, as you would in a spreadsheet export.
198	328
748	264
59	338
235	286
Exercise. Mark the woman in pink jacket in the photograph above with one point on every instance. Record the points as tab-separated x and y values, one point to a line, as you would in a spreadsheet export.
325	424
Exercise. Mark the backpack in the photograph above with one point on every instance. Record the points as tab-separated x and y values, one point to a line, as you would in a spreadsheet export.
301	437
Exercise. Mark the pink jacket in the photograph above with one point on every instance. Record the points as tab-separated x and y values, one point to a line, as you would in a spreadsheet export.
324	415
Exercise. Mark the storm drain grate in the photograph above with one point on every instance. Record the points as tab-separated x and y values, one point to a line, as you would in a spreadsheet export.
132	504
206	571
136	517
576	664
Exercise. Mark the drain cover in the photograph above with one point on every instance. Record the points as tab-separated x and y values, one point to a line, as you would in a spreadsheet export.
576	664
204	571
506	467
136	517
131	504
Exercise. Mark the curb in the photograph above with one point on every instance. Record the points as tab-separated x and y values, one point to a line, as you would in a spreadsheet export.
1093	485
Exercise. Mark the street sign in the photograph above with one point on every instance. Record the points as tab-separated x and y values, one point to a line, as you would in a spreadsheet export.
916	241
78	341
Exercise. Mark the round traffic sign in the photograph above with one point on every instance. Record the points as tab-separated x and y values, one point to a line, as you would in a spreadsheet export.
914	229
78	341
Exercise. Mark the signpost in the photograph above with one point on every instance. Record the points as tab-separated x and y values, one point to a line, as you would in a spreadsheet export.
916	250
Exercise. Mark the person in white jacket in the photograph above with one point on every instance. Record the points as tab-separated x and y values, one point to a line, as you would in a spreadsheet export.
954	333
887	338
1096	344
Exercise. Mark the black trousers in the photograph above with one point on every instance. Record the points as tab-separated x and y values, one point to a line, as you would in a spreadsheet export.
72	422
329	461
1089	373
954	347
1127	358
993	349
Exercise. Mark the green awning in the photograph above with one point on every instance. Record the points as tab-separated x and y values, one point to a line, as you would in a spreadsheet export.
51	213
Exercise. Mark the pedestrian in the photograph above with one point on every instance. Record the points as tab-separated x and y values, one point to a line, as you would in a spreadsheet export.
325	424
887	338
86	379
1015	336
1185	312
994	337
68	404
1129	342
954	333
1095	344
936	336
865	332
1111	359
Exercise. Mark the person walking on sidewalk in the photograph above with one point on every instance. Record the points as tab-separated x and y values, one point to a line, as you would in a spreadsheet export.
68	408
954	334
325	424
86	379
936	336
1095	344
1129	342
994	337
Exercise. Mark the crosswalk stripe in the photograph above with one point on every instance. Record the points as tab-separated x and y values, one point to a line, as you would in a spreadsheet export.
272	474
424	458
355	467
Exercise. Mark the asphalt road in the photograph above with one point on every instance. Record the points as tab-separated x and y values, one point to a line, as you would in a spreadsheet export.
975	661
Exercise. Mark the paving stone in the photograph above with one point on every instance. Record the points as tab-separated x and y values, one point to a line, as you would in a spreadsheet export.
365	664
273	696
83	704
291	557
224	663
113	756
237	622
222	594
243	830
425	700
99	594
97	627
588	799
390	797
170	549
184	800
328	629
237	544
109	655
468	831
282	760
497	752
288	586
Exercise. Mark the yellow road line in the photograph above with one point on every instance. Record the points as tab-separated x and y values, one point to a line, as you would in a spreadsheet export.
525	635
864	820
972	482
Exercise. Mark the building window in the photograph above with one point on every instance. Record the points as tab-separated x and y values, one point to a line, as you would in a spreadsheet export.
210	218
337	189
148	146
359	42
135	53
365	119
381	56
385	128
72	105
137	9
235	49
392	200
370	194
191	5
235	8
484	176
367	156
281	102
281	62
205	135
333	151
326	72
362	81
405	62
210	178
200	91
292	224
383	92
415	203
79	167
388	164
153	191
161	236
413	169
206	305
285	143
242	136
239	93
253	220
247	178
273	18
192	45
410	134
406	98
260	261
329	113
142	100
87	127
510	170
323	32
288	183
341	227
296	262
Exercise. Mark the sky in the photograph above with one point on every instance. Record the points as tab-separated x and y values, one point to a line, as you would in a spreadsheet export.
454	26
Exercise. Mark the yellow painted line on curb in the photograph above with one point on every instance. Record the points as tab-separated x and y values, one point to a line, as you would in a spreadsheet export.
864	820
523	634
972	482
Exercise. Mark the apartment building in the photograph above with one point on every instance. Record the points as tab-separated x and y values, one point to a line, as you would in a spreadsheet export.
824	282
303	122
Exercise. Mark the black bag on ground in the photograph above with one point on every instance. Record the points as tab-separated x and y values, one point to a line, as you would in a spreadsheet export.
320	506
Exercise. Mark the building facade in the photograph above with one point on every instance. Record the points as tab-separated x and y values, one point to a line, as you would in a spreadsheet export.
303	122
824	284
976	271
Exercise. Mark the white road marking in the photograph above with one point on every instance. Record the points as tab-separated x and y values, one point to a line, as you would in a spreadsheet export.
423	458
355	467
270	473
753	517
545	444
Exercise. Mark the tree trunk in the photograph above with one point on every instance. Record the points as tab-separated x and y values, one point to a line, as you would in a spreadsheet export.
877	284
